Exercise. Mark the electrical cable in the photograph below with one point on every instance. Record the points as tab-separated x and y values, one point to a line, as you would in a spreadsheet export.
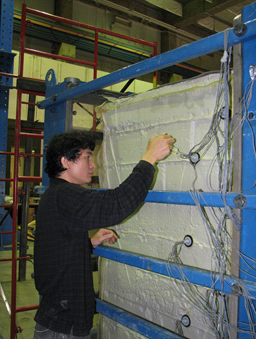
215	305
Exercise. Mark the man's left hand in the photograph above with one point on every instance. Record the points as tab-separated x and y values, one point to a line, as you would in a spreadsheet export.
103	235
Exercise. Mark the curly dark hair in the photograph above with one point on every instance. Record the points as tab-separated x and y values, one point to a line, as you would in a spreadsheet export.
68	145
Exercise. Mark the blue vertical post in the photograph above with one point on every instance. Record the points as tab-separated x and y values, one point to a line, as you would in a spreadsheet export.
6	66
55	115
248	231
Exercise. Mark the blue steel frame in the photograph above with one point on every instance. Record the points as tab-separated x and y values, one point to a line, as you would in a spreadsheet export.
196	276
198	48
55	117
248	232
55	107
133	322
6	23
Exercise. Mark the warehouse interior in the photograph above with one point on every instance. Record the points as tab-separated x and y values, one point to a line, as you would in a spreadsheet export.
184	263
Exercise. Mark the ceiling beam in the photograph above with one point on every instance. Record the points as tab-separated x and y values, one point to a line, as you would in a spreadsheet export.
199	9
137	11
171	6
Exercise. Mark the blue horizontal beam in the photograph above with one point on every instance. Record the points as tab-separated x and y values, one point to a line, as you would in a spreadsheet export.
133	322
210	199
206	199
187	52
193	275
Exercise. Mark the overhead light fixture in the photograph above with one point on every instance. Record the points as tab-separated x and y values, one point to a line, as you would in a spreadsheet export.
122	21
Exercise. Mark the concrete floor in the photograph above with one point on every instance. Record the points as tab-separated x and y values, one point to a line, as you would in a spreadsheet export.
26	296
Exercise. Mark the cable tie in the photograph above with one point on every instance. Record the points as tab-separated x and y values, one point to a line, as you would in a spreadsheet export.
224	57
252	72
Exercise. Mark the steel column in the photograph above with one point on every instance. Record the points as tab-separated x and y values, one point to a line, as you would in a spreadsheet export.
55	116
7	9
6	26
248	231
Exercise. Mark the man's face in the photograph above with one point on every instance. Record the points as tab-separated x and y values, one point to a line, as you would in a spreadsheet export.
81	170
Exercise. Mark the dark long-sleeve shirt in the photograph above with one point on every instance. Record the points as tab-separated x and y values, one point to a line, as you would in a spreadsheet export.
63	274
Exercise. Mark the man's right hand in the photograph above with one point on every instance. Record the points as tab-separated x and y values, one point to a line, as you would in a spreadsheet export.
158	148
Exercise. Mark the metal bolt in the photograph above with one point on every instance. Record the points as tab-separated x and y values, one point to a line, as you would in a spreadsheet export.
54	97
240	29
250	115
240	201
236	290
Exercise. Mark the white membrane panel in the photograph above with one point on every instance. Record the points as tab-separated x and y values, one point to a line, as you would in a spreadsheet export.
183	110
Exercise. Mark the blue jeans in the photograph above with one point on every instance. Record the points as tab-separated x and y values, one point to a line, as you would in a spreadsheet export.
42	332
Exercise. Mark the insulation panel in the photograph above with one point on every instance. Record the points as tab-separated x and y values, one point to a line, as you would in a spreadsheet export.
183	110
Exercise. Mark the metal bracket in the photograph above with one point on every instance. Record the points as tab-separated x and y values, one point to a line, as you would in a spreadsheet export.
51	78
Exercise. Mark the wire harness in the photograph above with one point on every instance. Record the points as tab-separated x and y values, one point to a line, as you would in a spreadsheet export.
213	304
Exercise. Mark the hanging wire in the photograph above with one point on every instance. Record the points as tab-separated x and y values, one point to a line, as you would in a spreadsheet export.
214	305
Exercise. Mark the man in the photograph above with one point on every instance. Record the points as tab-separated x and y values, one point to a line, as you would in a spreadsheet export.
66	213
